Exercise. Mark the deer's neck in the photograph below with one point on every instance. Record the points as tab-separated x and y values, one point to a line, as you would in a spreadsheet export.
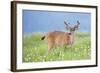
72	37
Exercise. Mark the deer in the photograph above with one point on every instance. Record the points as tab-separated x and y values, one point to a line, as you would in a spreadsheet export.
61	38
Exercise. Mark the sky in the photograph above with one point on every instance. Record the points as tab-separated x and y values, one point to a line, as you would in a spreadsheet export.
46	21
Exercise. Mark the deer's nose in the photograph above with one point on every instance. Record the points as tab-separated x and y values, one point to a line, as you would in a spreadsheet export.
69	33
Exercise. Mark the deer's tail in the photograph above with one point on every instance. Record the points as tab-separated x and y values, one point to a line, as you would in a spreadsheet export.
42	38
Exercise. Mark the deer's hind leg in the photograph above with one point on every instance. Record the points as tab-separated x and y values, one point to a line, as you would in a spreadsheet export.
50	44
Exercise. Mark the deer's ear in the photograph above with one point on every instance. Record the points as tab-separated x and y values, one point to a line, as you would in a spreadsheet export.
77	25
66	25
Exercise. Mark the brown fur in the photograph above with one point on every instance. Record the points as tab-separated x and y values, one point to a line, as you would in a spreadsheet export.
58	38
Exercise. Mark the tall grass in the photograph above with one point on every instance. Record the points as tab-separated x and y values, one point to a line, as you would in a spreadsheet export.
35	49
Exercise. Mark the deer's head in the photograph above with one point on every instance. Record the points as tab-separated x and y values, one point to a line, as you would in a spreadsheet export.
72	28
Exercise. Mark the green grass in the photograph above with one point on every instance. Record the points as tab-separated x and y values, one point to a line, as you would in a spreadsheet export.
35	49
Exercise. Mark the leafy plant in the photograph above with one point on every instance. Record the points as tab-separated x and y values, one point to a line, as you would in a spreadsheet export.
35	49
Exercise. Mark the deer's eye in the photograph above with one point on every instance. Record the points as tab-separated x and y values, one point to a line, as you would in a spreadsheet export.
72	29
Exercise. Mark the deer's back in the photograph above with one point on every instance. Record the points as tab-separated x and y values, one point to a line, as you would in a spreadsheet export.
59	37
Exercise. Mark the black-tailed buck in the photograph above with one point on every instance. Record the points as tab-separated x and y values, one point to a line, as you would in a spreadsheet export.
61	38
